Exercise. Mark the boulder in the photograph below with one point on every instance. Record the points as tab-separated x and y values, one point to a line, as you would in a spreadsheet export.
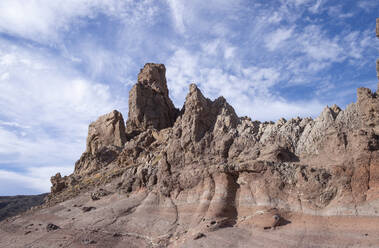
107	130
58	183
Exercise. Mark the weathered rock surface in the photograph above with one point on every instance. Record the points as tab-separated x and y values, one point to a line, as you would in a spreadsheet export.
106	137
108	130
171	176
149	103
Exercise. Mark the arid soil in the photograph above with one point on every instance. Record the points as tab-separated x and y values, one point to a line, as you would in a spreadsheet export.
120	221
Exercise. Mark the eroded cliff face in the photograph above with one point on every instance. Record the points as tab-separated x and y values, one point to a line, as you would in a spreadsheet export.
325	166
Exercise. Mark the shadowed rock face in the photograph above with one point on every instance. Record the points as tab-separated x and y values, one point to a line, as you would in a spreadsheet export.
188	178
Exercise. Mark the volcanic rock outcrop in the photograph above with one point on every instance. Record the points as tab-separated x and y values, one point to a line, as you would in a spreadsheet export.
106	137
149	103
172	175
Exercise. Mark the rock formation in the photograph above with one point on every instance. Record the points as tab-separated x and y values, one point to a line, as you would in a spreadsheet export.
149	103
106	137
184	178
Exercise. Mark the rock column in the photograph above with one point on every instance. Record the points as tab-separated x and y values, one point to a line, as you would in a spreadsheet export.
149	103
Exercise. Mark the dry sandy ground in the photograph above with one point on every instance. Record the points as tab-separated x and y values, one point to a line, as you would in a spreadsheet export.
120	221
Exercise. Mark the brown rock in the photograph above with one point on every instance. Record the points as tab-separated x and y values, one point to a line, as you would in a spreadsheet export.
107	130
58	183
199	236
87	209
106	137
149	103
52	227
368	104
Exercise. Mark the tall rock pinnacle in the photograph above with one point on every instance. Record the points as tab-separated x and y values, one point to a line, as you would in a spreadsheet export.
149	103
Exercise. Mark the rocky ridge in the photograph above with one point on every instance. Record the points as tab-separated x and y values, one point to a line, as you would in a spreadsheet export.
323	166
190	177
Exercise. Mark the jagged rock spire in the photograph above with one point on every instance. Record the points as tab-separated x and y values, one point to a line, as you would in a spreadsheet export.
149	103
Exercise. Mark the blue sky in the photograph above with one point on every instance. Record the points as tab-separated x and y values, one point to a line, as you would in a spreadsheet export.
65	62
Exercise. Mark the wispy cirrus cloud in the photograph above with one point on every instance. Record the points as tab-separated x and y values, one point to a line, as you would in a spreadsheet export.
45	108
48	21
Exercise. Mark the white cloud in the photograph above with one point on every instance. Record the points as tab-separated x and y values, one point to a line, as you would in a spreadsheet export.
274	39
45	21
337	12
275	18
316	7
200	16
250	90
12	124
299	2
178	14
49	106
367	5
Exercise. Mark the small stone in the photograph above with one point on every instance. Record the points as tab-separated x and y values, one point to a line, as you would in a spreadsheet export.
94	197
199	236
88	241
87	209
51	227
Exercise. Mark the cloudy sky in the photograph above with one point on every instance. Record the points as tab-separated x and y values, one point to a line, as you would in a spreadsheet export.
65	62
